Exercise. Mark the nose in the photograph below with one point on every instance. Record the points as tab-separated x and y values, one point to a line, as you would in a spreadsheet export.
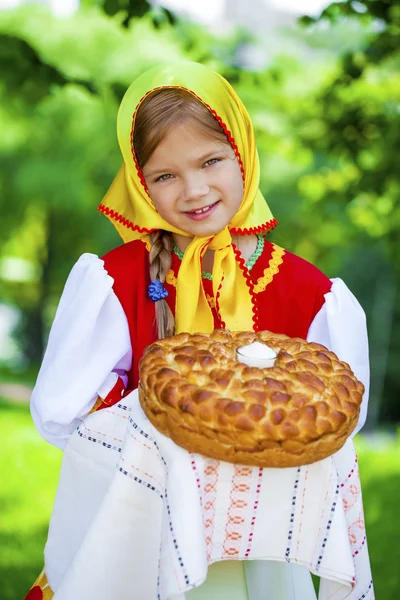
195	187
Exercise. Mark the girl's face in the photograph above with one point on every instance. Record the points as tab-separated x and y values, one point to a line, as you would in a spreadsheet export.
194	181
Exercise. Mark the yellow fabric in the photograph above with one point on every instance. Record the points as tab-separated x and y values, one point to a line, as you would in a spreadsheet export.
41	584
131	210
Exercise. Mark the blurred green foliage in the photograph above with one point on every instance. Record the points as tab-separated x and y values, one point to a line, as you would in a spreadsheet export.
327	126
30	467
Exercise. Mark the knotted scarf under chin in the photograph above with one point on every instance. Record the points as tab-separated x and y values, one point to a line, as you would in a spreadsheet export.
193	313
130	208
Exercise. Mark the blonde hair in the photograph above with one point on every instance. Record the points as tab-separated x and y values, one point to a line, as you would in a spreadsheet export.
158	113
160	263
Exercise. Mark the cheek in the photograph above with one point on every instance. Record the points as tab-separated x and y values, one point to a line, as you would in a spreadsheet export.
162	199
239	190
233	185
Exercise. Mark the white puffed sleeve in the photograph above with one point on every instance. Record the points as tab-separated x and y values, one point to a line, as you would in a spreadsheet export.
340	325
89	346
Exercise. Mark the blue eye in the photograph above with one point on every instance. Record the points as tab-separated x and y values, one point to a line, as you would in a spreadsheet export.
212	161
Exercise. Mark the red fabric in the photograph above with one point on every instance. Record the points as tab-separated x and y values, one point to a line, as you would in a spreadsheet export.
128	265
35	593
293	298
287	305
114	395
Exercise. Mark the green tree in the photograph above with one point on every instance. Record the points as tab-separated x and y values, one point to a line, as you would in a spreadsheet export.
61	81
357	125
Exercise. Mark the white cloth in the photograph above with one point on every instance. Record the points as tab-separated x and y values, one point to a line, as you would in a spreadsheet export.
105	520
341	326
136	517
88	340
89	343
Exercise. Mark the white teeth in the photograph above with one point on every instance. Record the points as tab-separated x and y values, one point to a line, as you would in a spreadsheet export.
201	210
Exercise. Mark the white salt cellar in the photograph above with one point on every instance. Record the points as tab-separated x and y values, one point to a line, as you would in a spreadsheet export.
256	355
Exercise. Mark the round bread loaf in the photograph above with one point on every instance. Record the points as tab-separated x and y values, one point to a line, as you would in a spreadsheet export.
302	410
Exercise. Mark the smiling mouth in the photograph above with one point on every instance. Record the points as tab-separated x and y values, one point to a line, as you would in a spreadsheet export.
199	211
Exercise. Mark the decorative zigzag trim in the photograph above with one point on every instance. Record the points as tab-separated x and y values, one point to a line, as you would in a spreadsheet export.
222	323
273	268
126	223
242	264
265	227
113	214
212	111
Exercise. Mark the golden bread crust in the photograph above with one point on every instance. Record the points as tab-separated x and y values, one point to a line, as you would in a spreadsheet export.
299	411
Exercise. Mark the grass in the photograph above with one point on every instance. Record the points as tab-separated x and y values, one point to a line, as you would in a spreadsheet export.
28	474
29	470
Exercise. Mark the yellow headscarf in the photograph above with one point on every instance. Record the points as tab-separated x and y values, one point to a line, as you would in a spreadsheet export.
130	209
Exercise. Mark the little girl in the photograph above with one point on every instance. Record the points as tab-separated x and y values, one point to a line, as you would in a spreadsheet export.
186	202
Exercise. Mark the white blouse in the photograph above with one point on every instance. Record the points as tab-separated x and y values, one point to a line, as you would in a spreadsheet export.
89	346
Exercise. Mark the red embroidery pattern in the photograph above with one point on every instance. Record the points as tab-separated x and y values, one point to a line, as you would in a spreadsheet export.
236	512
351	498
351	492
211	472
250	285
253	519
350	474
305	472
355	529
84	426
196	474
221	322
321	516
360	546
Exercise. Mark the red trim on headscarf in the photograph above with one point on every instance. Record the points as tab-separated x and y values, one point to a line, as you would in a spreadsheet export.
113	214
221	322
139	171
127	223
212	111
242	264
266	227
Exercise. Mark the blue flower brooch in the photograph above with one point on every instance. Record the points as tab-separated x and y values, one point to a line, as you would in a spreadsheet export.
156	290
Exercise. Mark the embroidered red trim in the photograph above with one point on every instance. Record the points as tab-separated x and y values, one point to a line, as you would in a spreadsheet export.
138	170
221	322
126	223
113	214
266	227
212	111
227	133
242	264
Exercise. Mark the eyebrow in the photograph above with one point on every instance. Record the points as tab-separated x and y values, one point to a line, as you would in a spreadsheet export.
200	159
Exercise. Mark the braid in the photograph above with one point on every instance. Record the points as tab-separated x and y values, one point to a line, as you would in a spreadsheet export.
160	263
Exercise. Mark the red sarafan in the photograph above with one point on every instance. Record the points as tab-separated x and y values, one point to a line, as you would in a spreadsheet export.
35	593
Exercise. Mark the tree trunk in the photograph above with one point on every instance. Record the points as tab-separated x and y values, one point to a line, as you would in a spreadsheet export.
33	329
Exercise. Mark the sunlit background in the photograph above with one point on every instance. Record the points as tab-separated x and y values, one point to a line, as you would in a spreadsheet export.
321	81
